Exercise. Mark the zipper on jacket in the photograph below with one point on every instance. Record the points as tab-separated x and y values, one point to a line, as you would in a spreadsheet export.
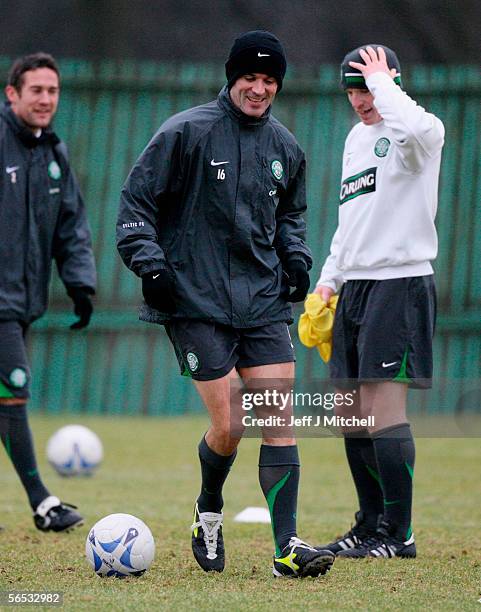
28	223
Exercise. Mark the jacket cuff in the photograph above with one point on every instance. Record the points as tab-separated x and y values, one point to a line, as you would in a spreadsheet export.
155	266
332	284
379	78
298	257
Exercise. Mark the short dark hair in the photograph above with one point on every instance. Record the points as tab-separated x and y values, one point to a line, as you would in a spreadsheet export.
30	62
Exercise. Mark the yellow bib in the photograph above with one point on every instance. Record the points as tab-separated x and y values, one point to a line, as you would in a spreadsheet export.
315	324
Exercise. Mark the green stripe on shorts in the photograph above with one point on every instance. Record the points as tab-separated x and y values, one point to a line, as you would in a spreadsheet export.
4	392
402	376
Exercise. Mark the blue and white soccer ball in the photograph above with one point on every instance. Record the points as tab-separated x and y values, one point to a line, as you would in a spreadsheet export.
74	450
120	545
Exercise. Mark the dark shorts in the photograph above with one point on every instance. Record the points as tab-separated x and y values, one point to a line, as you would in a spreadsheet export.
206	351
383	329
14	369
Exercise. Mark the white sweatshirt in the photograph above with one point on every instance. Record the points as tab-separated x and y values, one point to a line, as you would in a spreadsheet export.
389	192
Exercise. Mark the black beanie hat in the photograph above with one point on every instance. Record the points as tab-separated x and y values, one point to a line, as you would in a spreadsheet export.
256	51
352	78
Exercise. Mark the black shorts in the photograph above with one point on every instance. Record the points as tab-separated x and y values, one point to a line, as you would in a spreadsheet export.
206	350
14	370
383	329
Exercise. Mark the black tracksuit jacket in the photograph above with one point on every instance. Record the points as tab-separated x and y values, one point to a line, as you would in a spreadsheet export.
217	198
42	217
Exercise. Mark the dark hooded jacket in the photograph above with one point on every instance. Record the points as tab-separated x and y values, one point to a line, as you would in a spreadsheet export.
217	198
42	217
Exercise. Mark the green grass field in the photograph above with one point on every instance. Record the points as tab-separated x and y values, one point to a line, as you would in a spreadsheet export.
151	470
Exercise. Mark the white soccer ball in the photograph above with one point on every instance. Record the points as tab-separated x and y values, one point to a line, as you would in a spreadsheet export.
74	450
120	545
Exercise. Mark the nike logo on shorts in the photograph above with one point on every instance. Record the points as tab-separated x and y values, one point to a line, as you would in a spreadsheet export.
214	163
387	365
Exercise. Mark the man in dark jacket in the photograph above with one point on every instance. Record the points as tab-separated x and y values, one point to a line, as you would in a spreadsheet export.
42	218
211	220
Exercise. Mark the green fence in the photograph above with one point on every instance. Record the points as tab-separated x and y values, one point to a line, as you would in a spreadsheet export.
107	114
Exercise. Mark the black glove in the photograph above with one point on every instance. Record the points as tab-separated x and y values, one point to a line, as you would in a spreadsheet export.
296	270
82	305
157	289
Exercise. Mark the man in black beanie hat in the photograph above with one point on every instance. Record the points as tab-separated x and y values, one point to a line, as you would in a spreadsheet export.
380	261
255	70
211	220
256	51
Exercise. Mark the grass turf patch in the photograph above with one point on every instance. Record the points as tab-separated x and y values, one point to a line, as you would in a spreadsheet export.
151	470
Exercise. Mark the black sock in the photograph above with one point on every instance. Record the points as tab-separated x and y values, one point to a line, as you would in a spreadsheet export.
215	469
394	448
17	440
279	480
364	470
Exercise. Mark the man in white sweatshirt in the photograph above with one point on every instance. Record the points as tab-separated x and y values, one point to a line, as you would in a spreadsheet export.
380	261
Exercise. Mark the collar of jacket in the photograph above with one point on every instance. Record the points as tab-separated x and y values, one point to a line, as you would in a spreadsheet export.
24	133
225	103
